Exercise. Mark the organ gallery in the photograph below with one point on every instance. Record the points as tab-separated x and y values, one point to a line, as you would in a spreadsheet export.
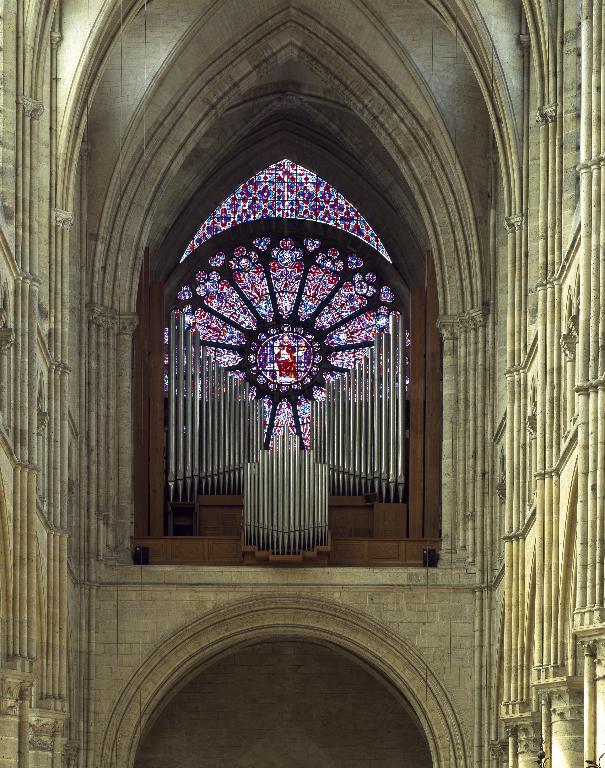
302	332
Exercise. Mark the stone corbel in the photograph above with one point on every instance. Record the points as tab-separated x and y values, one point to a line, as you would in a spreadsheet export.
566	705
448	327
499	750
568	345
42	421
102	316
532	424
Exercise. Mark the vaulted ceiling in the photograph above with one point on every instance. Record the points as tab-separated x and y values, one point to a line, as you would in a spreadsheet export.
392	102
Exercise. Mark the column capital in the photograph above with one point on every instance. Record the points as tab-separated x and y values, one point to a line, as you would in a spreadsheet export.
31	107
12	691
546	113
42	732
104	317
7	339
568	343
447	326
513	223
127	324
63	219
55	39
566	704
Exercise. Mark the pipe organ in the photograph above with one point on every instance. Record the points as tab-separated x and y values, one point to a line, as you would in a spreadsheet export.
365	433
217	441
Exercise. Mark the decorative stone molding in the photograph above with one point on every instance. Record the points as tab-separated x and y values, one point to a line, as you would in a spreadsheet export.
127	324
513	223
568	345
546	114
31	107
7	339
532	424
42	732
63	219
55	39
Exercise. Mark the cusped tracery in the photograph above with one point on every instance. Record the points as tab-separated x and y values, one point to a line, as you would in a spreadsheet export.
288	315
286	190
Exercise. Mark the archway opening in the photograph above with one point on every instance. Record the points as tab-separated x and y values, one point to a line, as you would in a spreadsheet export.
286	702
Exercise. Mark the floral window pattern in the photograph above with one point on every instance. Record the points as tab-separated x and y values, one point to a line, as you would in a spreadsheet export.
290	191
288	316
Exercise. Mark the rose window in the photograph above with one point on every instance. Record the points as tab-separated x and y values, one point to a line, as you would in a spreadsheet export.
286	314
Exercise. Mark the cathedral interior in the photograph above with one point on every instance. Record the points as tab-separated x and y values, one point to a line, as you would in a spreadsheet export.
302	383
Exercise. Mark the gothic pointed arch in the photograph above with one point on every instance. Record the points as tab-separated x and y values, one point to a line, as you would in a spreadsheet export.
286	190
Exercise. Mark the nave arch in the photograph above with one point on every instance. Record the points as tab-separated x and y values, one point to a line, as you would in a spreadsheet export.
184	654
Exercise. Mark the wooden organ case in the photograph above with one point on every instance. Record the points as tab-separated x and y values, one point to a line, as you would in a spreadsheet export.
212	488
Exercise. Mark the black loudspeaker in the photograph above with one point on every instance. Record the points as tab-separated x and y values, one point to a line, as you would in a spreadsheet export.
430	558
140	555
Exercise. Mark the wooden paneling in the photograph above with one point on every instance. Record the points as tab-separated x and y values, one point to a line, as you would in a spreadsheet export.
390	521
228	550
350	516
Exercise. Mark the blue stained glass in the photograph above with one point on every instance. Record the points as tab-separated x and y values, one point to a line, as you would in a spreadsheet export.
311	244
348	358
346	301
217	260
355	261
286	190
386	294
318	285
303	407
185	293
286	273
222	298
330	260
262	243
319	393
213	329
356	331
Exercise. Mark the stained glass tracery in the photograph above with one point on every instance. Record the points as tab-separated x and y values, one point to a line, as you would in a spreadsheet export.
286	190
287	317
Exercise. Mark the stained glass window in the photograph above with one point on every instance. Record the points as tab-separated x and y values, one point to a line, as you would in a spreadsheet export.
286	190
288	315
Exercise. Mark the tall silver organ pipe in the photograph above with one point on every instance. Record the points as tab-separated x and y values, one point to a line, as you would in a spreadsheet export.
286	499
364	434
209	420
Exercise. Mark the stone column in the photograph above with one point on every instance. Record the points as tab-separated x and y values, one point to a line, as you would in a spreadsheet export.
567	729
529	743
600	697
43	734
10	693
7	337
450	539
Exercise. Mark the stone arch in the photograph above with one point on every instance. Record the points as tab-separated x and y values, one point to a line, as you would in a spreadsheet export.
425	160
249	622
